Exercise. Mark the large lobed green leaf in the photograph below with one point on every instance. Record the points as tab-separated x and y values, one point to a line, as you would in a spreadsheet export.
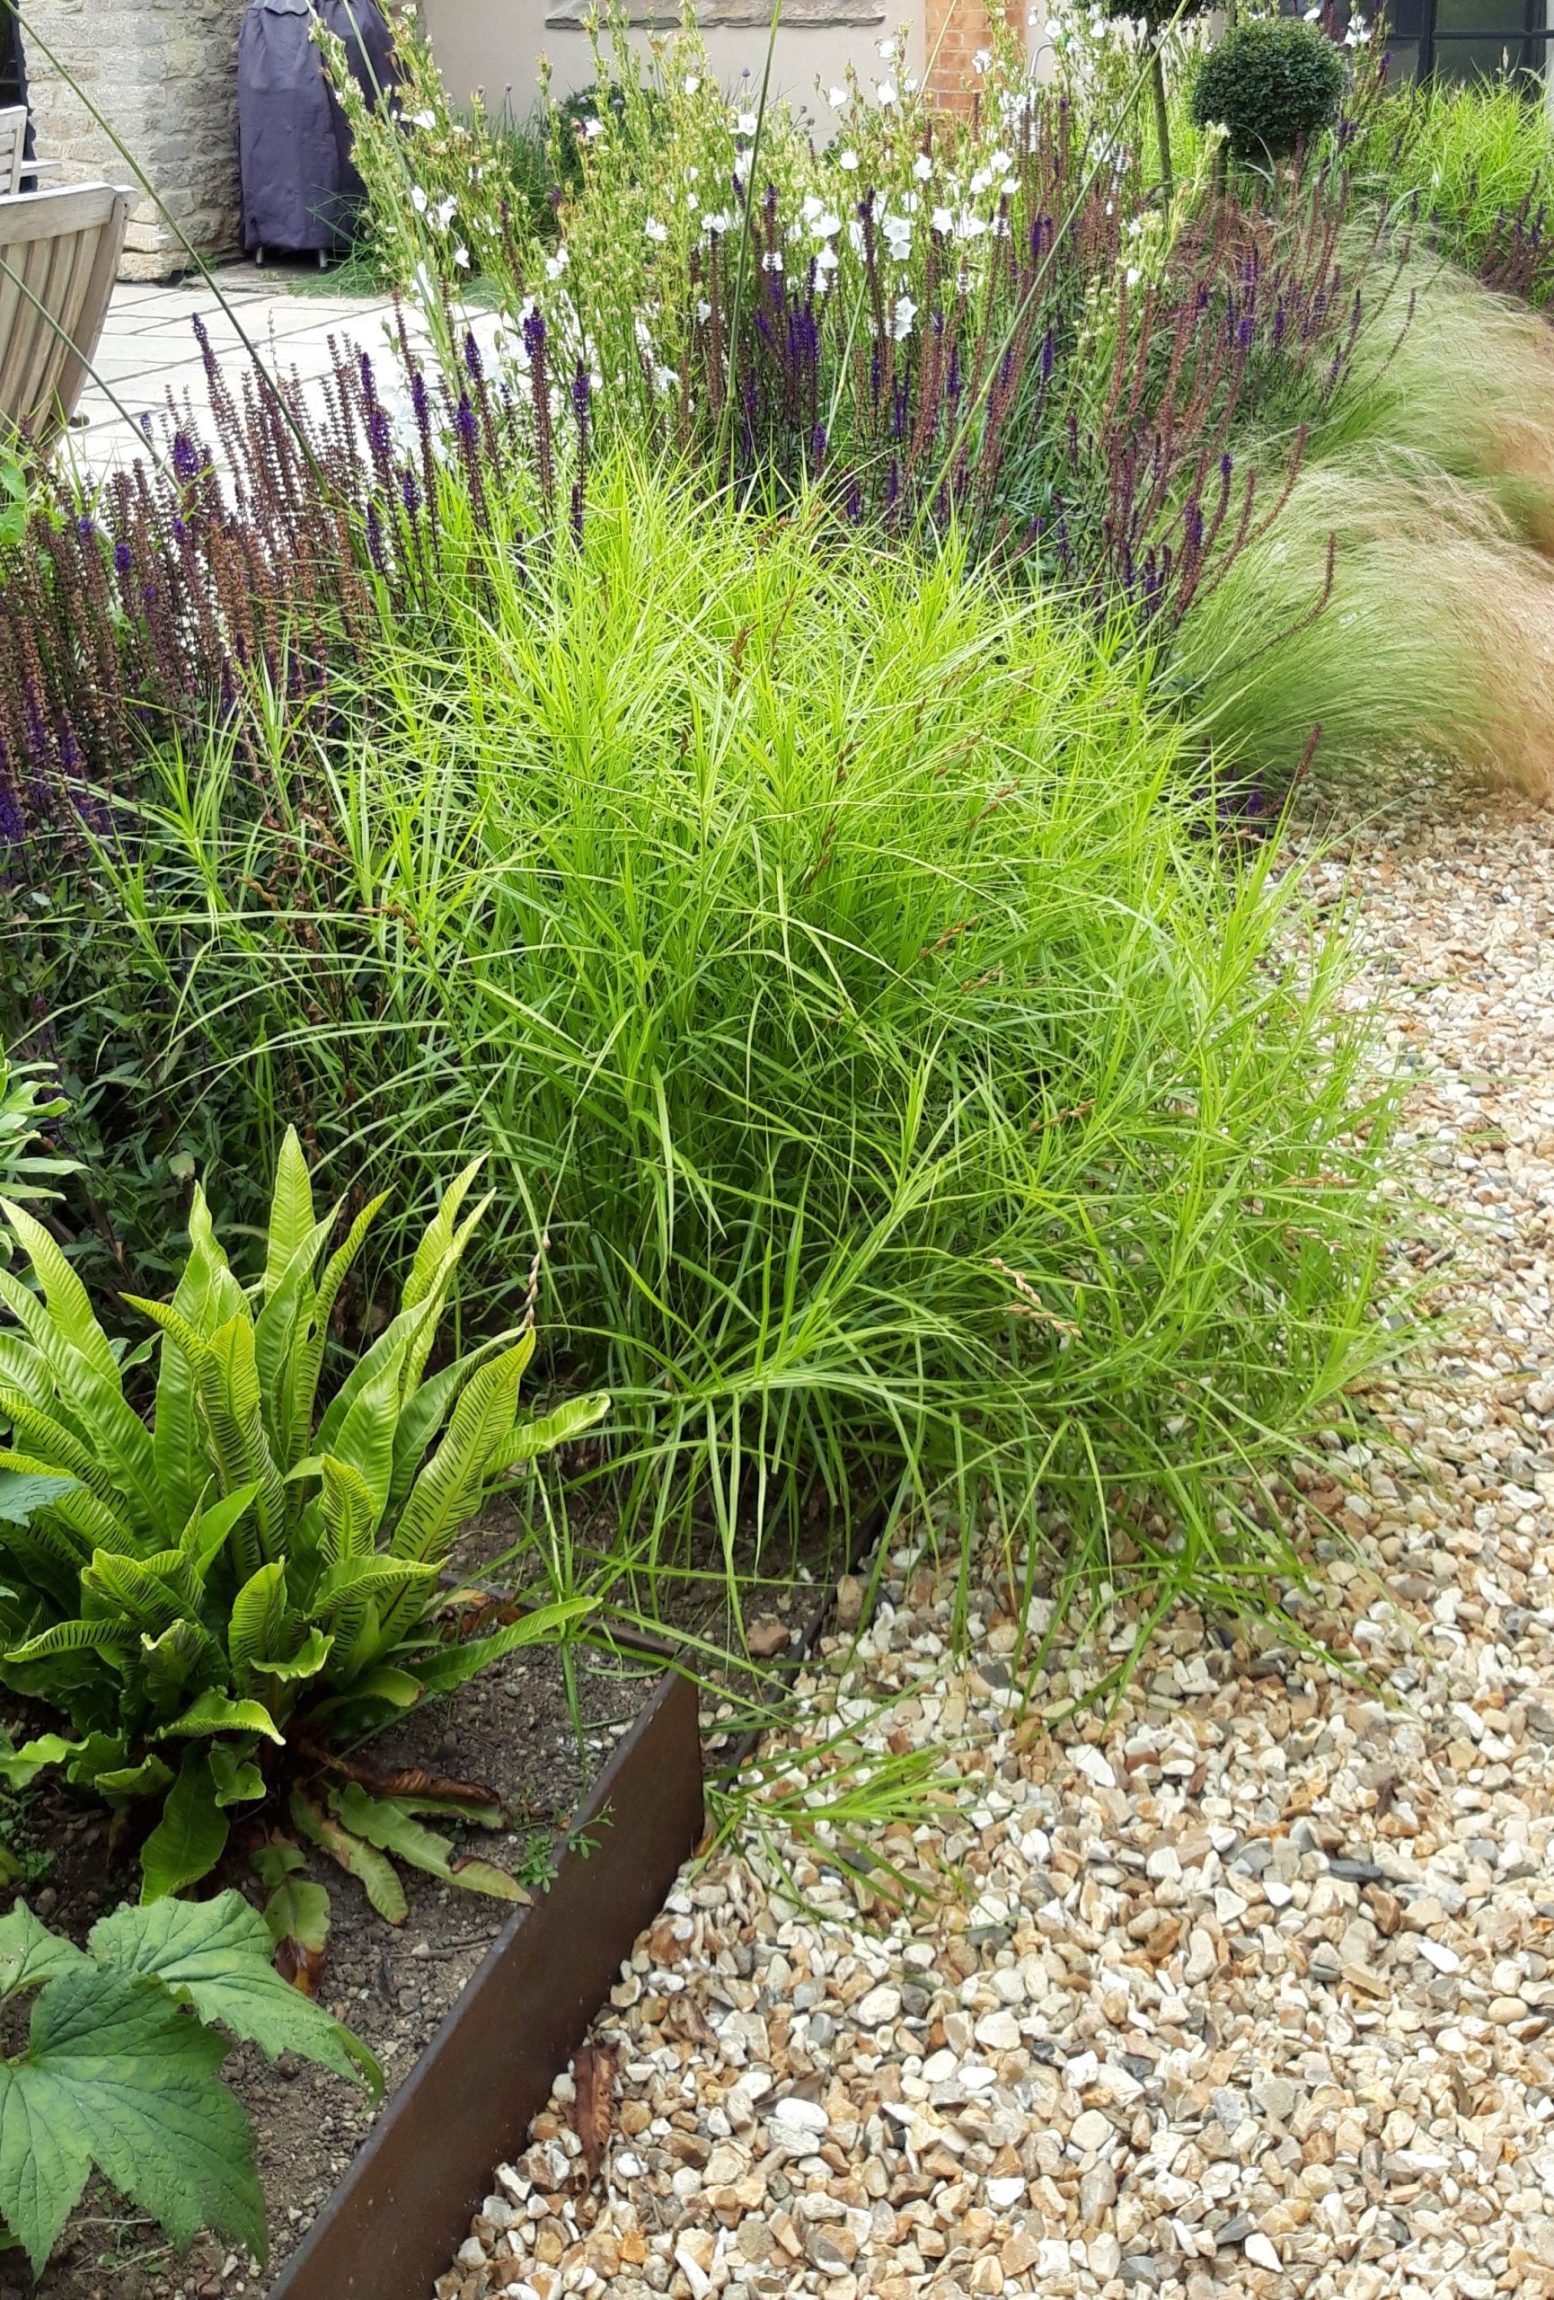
215	1957
115	2075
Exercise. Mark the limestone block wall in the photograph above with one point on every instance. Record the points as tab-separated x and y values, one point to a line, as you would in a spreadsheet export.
164	72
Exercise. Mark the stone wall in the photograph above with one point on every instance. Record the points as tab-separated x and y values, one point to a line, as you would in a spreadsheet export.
164	72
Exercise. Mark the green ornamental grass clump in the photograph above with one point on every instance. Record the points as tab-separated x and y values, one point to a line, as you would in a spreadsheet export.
1272	84
1470	164
825	949
1307	638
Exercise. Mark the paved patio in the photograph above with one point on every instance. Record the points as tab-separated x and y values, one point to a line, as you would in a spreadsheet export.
148	351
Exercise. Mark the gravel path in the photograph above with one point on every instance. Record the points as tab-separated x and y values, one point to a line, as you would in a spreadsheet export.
1249	1990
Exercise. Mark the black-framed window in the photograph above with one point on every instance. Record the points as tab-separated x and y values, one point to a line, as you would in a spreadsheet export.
1469	39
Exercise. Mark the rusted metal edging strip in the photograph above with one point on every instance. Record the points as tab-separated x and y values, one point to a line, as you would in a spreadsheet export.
394	2223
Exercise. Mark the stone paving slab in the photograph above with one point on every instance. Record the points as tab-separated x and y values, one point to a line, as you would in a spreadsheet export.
148	350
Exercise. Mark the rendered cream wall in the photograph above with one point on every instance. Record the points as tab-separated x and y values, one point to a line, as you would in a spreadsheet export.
497	44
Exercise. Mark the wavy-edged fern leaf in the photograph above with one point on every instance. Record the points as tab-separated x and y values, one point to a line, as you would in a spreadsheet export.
450	1487
128	1587
88	1401
47	1440
450	1666
66	1297
347	1513
256	1629
174	1661
191	1836
438	1239
203	1296
215	1712
359	1859
286	1316
362	1439
229	1398
559	1427
308	1354
422	1416
83	1522
310	1657
370	1577
208	1529
389	1348
291	1211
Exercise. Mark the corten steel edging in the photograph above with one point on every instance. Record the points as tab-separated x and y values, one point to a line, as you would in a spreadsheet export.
404	2207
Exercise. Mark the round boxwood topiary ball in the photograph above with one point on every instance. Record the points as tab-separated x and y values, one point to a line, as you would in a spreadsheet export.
1272	84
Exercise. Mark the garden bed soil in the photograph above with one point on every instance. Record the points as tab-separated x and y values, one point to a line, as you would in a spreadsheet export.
512	1729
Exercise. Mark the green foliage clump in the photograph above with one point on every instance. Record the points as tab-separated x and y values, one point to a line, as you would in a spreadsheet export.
448	194
1470	163
184	1591
118	2078
1461	380
15	495
1272	84
636	114
824	948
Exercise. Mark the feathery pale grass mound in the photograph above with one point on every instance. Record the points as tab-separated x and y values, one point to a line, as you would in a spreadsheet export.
1447	370
1391	607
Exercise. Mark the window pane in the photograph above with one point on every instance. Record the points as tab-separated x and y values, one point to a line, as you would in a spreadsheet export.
1477	59
1505	20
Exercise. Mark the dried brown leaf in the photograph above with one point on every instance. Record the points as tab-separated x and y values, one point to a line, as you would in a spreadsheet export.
302	1966
593	2104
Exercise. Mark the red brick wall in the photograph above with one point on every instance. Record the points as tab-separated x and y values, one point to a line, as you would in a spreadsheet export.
955	30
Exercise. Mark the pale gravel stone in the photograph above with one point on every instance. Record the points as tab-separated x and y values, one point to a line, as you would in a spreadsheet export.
1310	2054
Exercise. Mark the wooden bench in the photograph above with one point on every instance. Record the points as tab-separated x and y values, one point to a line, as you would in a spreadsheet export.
59	253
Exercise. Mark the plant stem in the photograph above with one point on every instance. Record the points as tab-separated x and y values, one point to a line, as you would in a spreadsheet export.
1157	83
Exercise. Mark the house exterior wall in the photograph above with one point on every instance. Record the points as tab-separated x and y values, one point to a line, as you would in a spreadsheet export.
497	44
954	32
164	73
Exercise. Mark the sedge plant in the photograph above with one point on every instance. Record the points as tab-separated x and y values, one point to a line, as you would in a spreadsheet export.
823	949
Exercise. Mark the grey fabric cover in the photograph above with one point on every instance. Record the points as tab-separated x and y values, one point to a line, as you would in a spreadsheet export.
299	186
13	79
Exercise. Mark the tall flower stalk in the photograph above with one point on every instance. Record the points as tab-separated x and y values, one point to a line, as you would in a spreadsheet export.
250	565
